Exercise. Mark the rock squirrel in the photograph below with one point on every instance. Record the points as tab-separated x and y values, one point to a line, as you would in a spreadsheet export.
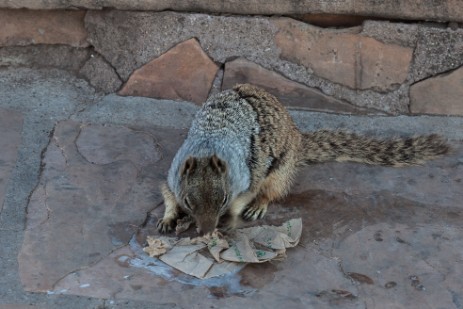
242	152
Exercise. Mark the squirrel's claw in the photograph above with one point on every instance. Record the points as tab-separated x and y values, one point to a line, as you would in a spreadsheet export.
254	212
165	225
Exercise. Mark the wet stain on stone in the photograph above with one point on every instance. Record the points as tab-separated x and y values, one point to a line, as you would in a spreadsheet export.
258	275
361	278
390	285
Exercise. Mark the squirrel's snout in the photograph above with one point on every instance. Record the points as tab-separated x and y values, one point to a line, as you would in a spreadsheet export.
206	225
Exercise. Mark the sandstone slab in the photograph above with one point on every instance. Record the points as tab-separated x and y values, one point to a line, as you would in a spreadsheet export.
87	222
344	57
446	10
403	34
185	72
88	201
10	139
409	241
408	268
442	94
25	27
290	93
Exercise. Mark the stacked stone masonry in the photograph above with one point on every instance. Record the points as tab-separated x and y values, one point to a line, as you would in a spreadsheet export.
374	66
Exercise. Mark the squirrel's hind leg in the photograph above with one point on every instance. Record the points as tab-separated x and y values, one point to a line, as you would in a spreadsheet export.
171	213
276	185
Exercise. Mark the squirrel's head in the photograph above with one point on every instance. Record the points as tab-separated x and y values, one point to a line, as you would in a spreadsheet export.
204	190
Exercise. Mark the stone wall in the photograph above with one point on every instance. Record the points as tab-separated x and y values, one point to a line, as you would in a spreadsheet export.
363	61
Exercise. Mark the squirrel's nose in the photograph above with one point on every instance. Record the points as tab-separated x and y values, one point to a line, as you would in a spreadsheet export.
206	226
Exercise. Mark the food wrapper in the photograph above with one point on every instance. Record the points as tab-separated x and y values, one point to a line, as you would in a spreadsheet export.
214	255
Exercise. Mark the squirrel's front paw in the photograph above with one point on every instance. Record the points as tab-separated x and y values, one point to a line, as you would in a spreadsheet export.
254	212
166	225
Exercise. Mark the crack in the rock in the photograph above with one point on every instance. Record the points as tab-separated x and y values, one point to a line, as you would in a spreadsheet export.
97	53
440	74
41	169
74	142
158	145
63	152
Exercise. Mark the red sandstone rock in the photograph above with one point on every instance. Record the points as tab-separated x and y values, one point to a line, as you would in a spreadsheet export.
290	93
343	57
88	201
185	72
442	94
23	27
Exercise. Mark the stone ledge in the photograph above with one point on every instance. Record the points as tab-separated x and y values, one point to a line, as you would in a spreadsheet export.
444	10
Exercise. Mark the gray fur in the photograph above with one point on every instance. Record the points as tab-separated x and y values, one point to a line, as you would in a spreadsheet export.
223	126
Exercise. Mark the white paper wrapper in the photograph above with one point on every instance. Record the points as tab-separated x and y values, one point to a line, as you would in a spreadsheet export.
226	254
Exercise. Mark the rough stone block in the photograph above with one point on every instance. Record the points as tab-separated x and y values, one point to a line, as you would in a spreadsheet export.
100	74
437	51
185	72
442	94
25	27
44	56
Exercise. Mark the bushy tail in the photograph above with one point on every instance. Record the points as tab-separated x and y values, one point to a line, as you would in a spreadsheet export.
324	146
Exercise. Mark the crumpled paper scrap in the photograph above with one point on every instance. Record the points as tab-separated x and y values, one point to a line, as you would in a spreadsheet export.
157	246
227	254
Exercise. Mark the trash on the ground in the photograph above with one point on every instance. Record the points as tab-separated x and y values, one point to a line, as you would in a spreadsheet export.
183	224
216	254
156	246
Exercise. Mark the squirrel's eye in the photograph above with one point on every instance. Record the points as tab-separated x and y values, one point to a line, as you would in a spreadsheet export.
225	200
187	204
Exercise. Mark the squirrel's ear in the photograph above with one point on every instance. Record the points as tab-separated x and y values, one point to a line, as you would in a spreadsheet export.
218	165
189	166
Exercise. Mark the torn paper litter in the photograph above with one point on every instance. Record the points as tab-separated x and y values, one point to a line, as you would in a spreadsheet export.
207	257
